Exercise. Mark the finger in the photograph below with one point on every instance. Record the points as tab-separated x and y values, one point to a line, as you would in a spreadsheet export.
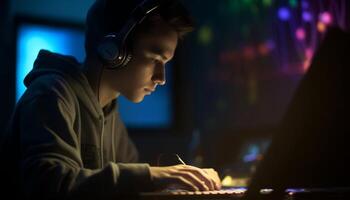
214	176
201	175
193	179
182	183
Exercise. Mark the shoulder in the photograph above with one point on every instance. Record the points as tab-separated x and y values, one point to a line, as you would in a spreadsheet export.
53	86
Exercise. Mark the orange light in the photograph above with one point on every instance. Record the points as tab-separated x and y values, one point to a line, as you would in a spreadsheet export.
321	27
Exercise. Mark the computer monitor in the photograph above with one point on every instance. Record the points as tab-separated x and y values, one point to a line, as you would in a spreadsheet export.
154	113
311	147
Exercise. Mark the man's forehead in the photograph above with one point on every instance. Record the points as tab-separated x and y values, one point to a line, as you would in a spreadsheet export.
161	43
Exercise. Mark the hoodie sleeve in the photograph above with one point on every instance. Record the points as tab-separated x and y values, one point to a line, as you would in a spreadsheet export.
51	165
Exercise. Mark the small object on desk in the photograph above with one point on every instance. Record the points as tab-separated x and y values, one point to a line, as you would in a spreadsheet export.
181	161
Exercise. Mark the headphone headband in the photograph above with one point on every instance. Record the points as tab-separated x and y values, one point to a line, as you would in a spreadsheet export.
113	49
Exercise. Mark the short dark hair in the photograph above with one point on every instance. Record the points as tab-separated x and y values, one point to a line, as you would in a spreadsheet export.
108	16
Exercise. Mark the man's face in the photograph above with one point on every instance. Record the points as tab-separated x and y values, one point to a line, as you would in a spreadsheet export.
146	70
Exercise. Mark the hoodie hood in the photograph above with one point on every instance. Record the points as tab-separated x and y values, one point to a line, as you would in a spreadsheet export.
67	66
48	63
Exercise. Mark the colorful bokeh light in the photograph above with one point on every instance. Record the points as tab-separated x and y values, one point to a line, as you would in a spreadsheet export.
309	52
300	33
305	4
248	53
307	16
263	49
267	2
293	3
326	18
205	35
321	27
284	13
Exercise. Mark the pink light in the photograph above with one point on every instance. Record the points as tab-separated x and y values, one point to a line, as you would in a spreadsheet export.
309	53
306	65
326	18
300	34
308	56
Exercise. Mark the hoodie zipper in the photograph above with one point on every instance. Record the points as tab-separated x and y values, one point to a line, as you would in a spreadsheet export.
101	141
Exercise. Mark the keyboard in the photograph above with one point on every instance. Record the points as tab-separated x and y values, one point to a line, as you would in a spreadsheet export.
224	194
238	193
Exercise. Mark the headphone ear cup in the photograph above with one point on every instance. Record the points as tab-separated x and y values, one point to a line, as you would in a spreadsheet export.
128	57
112	53
108	49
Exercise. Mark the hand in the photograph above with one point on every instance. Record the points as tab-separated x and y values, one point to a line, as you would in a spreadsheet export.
214	176
185	177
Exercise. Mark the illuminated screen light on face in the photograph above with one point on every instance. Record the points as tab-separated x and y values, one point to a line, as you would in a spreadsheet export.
154	112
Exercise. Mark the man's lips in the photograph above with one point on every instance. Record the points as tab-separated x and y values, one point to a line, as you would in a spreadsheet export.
149	90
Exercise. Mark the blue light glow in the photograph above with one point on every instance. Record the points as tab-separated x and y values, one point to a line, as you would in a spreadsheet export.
32	38
284	13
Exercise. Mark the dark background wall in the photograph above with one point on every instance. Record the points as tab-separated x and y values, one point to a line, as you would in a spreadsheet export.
5	78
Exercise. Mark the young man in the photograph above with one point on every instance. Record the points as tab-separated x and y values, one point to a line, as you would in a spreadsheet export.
67	140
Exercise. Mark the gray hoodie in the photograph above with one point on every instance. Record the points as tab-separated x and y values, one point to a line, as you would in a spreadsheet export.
64	144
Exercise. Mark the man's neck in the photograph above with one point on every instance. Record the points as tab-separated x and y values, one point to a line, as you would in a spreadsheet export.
94	72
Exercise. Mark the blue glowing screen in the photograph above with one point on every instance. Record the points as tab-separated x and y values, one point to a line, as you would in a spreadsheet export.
155	111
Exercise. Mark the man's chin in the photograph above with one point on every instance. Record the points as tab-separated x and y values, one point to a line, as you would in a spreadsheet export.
136	99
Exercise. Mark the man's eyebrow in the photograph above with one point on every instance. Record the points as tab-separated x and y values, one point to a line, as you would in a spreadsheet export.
160	50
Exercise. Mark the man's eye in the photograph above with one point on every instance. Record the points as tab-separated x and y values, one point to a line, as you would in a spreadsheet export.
155	60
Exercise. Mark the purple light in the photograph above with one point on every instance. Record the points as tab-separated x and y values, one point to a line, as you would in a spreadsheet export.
304	4
326	18
300	34
283	13
270	44
307	16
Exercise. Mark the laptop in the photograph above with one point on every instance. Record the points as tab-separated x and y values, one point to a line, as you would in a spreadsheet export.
311	148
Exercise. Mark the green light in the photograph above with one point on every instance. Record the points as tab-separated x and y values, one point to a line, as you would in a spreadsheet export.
254	10
293	3
205	35
234	6
247	2
267	2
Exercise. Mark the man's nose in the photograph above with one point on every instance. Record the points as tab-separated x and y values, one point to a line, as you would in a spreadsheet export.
159	75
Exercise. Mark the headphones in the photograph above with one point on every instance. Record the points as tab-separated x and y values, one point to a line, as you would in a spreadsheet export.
113	50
